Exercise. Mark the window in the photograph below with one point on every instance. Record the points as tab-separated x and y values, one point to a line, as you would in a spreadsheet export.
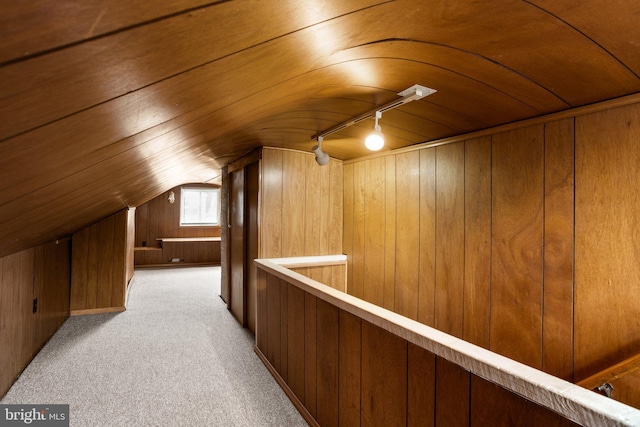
200	206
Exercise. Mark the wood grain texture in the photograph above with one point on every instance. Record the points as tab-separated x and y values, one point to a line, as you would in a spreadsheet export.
514	410
237	247
99	269
262	317
477	234
315	193
293	207
606	243
296	340
384	377
348	211
350	358
389	233
450	227
271	204
558	249
327	360
284	330
452	394
407	235
516	255
356	286
427	267
421	387
310	354
374	222
273	322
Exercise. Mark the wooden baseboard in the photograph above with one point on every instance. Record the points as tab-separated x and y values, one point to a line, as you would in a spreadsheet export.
285	387
97	311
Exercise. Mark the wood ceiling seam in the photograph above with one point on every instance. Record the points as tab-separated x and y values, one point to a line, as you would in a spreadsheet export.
585	35
61	47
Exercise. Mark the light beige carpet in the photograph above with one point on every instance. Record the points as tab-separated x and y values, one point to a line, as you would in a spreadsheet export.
176	357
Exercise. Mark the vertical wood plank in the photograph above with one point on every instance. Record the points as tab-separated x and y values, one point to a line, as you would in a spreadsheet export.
450	238
271	202
607	247
349	369
296	340
119	257
79	277
516	260
357	285
421	387
347	237
374	223
261	318
314	195
105	248
477	253
390	234
310	354
273	321
336	218
452	394
427	292
284	330
407	233
327	359
293	205
384	377
93	264
558	250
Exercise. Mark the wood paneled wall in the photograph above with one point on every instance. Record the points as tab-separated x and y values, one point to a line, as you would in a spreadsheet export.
341	370
334	276
457	235
158	218
476	238
42	273
101	265
300	205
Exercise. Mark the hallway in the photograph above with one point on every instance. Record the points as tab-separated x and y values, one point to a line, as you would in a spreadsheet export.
175	357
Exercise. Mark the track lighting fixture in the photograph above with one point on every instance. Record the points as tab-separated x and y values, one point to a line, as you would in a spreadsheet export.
374	141
321	157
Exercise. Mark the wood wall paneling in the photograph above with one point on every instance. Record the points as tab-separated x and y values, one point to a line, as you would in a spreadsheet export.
284	330
407	234
516	260
477	249
252	238
293	203
453	394
421	387
558	249
607	251
389	232
271	206
41	273
327	359
356	286
349	363
296	340
273	322
310	354
384	377
427	267
374	222
99	265
450	227
348	213
225	275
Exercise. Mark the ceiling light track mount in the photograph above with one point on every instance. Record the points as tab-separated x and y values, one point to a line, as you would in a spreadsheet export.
413	93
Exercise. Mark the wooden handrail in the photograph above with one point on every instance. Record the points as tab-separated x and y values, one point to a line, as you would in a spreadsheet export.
562	397
612	373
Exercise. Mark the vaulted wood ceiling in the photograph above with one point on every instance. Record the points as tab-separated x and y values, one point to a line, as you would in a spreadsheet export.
107	104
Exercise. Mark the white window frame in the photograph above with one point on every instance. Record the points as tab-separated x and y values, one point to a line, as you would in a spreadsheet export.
216	193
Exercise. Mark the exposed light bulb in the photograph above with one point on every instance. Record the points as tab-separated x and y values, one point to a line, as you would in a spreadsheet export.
375	140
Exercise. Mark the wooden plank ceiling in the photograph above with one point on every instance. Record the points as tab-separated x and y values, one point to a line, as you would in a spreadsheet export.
107	104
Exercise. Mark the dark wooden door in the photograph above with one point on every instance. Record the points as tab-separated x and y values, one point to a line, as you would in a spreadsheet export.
237	262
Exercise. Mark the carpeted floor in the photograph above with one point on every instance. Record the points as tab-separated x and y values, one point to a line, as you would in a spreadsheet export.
176	357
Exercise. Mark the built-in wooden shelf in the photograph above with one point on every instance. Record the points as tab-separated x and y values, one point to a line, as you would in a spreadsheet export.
189	239
146	248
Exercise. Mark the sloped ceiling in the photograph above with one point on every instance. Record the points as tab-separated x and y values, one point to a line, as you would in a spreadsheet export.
107	104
